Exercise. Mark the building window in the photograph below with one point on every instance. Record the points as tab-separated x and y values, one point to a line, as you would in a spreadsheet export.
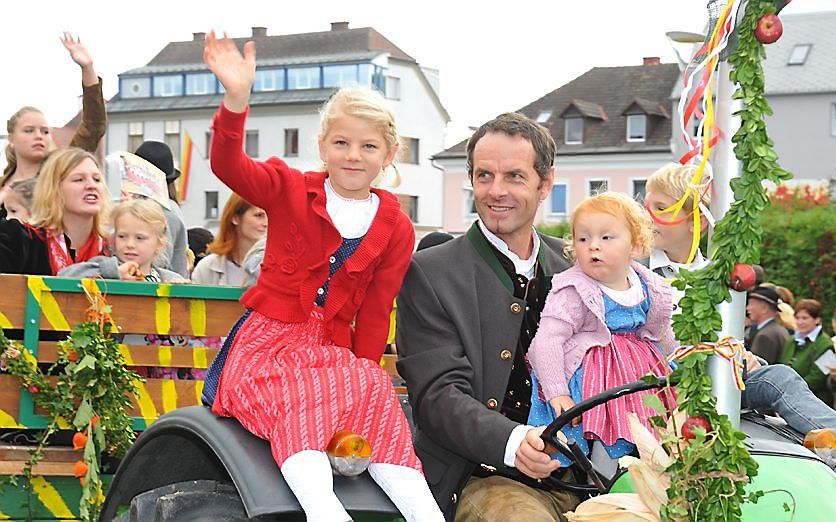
596	186
799	54
134	87
291	142
339	75
409	205
136	135
208	144
833	119
365	74
168	85
408	152
559	199
251	143
303	78
200	83
172	139
468	204
211	204
544	116
636	127
393	87
574	131
639	189
269	80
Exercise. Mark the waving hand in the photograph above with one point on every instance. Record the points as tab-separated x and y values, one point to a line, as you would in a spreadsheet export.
235	71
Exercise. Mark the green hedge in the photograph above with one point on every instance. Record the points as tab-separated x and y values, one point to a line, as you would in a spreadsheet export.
561	229
798	252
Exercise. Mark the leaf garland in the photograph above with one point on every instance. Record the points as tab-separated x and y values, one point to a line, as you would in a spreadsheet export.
710	472
90	387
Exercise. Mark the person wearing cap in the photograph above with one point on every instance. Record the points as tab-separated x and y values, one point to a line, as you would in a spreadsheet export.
159	155
770	337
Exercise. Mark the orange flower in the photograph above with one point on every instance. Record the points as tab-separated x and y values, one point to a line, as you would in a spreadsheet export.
81	468
94	420
72	356
79	440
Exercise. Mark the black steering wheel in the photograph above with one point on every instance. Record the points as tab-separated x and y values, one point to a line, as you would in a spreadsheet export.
571	449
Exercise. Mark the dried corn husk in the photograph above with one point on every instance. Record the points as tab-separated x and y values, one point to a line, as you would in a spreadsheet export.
613	507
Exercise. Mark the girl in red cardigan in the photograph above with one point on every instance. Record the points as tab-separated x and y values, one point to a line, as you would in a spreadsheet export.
303	361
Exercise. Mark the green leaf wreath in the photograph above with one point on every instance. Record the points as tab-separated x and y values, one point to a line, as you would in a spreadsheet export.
89	388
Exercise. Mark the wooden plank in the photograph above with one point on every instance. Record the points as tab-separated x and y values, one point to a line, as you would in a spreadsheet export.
57	461
12	299
388	364
156	356
136	314
9	398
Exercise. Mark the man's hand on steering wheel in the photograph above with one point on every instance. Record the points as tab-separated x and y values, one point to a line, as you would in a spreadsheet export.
531	458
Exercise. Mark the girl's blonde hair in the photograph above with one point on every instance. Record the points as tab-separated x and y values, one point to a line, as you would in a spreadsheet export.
621	206
364	103
145	210
11	159
673	180
48	201
227	239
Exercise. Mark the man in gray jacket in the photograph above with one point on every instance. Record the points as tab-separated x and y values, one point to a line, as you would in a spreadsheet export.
467	312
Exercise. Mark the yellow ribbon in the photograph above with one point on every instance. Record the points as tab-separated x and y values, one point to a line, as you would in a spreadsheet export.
728	348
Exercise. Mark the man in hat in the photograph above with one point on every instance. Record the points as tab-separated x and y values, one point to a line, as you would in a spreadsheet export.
159	155
770	337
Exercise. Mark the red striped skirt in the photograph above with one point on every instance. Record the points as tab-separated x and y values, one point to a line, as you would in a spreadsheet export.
284	382
626	359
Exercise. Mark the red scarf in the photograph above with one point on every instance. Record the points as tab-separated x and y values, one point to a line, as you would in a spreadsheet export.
59	254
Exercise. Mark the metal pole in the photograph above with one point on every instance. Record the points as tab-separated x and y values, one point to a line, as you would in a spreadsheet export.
725	167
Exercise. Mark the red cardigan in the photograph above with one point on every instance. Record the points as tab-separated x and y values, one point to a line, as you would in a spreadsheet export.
301	238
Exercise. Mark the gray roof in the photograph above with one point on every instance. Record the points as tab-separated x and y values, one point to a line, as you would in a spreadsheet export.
818	73
212	101
611	90
300	47
339	57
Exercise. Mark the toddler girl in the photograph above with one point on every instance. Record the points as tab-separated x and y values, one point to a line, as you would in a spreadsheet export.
606	322
303	361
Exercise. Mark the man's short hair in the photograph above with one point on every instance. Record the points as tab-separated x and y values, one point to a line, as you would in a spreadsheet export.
516	124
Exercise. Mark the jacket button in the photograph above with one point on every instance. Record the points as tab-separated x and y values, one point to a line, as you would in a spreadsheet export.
492	403
505	355
516	308
454	498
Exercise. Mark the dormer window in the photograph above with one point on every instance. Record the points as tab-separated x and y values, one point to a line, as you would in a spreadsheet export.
573	134
636	127
544	116
799	54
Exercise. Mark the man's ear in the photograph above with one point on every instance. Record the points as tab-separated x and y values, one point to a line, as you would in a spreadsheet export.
546	184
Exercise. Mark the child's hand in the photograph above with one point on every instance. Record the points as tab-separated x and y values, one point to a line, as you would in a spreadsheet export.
77	51
235	71
562	403
129	271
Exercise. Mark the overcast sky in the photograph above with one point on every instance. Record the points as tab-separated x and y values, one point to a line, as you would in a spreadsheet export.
493	56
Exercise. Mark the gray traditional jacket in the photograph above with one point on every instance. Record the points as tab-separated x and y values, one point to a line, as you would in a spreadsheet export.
456	315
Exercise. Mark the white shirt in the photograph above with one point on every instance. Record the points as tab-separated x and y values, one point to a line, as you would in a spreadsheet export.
630	297
813	335
523	267
668	269
352	217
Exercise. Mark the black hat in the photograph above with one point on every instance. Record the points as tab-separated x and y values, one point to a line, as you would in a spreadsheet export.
766	294
433	239
159	154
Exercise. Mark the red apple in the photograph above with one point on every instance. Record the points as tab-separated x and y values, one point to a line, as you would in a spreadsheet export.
769	29
694	422
742	277
34	389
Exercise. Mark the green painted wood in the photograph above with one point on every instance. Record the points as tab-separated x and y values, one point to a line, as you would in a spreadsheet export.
189	291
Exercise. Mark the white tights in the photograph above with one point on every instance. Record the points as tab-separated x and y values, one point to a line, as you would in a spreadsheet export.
308	473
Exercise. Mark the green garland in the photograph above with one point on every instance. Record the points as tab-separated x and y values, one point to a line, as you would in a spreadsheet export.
88	385
710	472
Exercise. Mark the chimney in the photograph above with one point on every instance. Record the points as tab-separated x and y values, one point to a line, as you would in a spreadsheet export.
339	26
259	31
198	37
650	60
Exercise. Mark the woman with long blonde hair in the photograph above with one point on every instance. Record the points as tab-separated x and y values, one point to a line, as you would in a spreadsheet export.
69	209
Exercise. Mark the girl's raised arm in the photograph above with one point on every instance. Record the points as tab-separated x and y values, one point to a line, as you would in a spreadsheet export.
235	71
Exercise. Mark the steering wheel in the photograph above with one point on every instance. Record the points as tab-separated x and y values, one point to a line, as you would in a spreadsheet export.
571	449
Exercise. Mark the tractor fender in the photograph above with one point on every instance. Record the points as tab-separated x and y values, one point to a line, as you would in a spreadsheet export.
194	444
